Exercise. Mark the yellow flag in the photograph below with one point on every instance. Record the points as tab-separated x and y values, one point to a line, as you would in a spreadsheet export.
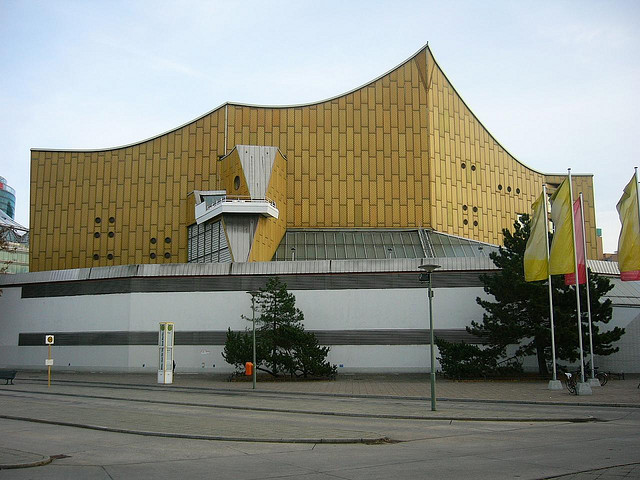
561	256
629	241
536	256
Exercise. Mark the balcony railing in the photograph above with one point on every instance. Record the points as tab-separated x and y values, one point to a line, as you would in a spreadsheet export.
236	204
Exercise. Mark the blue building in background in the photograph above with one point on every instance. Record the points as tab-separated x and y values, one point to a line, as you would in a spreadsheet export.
7	198
14	248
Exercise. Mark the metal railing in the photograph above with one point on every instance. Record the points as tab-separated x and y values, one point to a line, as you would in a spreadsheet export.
241	199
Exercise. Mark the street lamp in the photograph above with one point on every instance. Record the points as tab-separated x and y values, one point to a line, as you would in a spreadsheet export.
426	276
253	294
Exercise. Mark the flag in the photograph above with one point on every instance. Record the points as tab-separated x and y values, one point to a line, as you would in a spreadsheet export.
536	255
561	256
629	240
570	278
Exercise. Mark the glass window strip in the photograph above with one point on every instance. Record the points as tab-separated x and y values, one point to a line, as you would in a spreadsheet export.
371	244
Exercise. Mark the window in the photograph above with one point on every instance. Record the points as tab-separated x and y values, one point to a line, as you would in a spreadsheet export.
207	244
345	244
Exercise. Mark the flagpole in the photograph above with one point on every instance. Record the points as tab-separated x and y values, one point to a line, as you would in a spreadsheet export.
575	263
546	238
586	273
638	192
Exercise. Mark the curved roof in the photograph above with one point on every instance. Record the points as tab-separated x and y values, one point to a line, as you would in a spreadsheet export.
239	104
424	48
476	117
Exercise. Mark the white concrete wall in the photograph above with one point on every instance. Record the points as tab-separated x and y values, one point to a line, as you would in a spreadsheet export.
189	310
388	308
627	359
323	310
81	313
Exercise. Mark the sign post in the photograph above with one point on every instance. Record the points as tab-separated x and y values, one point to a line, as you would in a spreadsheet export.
165	353
48	340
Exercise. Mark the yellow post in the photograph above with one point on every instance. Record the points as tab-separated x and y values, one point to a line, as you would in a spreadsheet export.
49	369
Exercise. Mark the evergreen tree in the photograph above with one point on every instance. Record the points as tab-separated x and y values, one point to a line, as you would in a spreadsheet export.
520	313
282	344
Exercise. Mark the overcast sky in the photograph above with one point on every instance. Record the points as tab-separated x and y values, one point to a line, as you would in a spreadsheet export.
555	82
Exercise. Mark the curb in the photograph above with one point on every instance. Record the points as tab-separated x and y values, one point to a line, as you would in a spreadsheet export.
175	387
373	440
44	461
600	469
388	416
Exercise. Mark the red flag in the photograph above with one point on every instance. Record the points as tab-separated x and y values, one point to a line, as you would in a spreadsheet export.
570	278
630	276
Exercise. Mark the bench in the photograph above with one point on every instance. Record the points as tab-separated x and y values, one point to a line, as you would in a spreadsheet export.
8	375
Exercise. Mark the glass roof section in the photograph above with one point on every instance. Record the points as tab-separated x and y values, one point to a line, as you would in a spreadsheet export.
12	231
359	244
451	246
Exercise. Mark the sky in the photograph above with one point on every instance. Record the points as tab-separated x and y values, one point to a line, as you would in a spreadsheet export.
556	82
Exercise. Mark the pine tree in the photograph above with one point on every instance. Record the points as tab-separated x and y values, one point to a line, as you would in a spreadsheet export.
282	344
520	313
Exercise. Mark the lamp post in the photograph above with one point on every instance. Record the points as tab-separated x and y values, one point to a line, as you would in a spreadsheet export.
426	276
253	294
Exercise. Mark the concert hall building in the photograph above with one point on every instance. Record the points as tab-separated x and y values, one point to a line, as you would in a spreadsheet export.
342	198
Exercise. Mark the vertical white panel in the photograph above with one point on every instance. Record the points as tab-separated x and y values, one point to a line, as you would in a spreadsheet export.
240	230
257	164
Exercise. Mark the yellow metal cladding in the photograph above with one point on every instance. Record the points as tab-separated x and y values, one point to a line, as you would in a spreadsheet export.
478	188
387	155
190	206
230	169
270	232
359	160
143	187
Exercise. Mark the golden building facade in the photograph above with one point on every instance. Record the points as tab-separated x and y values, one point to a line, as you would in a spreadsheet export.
401	152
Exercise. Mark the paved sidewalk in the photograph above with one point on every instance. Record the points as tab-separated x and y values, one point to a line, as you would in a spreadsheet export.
461	400
615	392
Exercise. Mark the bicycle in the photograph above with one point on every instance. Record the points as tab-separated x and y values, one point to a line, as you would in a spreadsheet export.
571	382
571	378
602	377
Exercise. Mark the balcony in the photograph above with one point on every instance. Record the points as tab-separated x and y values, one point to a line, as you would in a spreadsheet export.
236	205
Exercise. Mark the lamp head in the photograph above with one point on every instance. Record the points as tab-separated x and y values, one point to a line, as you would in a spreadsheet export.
428	268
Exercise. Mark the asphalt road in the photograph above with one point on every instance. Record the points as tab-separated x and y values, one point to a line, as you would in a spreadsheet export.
128	431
